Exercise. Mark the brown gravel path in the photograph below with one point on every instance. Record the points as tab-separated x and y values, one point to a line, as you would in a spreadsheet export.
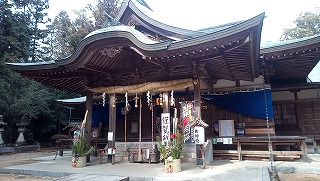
9	159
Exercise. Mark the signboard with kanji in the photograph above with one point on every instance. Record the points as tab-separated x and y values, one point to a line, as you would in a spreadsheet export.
165	128
198	135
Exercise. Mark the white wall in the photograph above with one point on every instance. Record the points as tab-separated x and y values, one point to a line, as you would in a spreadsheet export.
283	95
222	83
256	81
309	94
304	94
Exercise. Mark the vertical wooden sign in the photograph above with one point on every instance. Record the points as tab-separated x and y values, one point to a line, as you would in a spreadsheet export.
165	127
199	135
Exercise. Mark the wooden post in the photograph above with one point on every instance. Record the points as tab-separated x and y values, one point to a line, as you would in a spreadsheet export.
197	105
315	147
89	116
303	147
298	126
197	98
239	150
112	122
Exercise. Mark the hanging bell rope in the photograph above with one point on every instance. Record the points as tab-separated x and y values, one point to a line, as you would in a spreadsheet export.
267	119
140	154
125	122
152	132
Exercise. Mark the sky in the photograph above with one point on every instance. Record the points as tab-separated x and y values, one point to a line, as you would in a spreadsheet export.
194	15
198	14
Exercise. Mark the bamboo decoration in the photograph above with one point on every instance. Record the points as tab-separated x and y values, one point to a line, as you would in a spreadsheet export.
83	124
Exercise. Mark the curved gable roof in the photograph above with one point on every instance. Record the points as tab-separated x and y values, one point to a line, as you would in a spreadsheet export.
133	12
121	56
292	60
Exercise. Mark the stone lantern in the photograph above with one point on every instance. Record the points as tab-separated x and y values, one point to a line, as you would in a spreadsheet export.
2	125
21	129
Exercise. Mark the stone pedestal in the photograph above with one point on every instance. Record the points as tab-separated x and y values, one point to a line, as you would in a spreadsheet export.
21	129
2	124
1	140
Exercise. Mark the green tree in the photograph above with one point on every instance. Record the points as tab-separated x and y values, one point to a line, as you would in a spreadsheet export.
21	99
35	17
306	24
101	11
66	34
14	36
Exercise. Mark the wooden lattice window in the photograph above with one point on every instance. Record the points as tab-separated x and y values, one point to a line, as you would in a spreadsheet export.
284	114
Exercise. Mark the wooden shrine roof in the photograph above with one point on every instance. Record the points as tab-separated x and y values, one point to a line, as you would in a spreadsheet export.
291	61
122	56
132	13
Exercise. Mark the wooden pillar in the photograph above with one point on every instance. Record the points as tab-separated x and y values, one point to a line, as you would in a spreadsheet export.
166	106
239	150
197	98
295	93
89	116
112	119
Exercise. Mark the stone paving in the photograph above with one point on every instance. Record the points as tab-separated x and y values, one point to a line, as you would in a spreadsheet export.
61	169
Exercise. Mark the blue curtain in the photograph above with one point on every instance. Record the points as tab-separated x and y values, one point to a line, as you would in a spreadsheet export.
251	103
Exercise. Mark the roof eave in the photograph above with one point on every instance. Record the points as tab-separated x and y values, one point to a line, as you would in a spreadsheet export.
291	45
32	66
245	25
175	30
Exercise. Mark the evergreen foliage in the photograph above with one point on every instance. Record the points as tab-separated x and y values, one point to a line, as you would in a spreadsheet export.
14	36
66	34
80	147
306	24
26	36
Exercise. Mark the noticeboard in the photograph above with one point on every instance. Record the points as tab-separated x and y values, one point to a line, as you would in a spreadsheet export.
226	128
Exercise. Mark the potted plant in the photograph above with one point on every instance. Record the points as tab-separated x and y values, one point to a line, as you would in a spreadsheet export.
80	150
172	152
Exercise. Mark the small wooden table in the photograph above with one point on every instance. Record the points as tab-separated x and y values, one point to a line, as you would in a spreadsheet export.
298	141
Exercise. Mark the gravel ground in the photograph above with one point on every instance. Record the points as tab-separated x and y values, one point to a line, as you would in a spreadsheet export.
299	177
15	177
10	159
